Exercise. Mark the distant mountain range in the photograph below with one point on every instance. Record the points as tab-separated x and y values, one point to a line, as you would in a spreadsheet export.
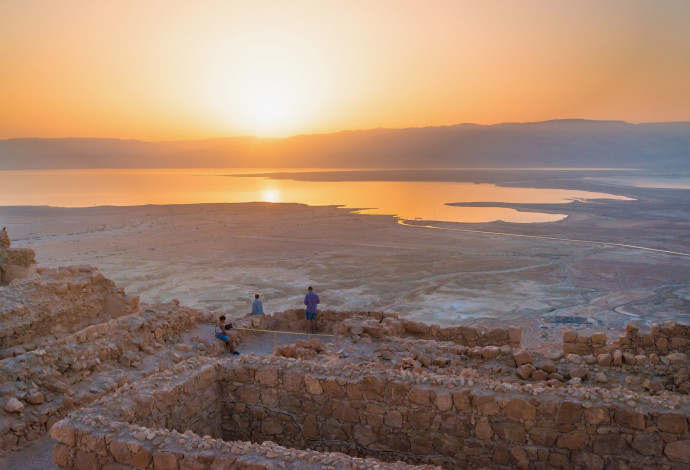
561	143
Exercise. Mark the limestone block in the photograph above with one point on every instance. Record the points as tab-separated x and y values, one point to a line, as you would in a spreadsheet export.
569	336
514	334
543	436
63	432
35	398
617	358
61	455
511	432
675	423
580	349
547	366
539	375
647	444
662	343
678	451
569	413
485	404
490	352
629	419
419	396
165	461
526	370
641	360
678	358
14	406
522	356
573	440
609	444
313	385
604	360
579	372
482	430
599	338
444	401
520	409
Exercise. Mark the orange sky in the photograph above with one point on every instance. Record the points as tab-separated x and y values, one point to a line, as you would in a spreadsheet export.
162	70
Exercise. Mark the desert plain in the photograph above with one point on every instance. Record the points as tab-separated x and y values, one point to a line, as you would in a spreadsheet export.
216	256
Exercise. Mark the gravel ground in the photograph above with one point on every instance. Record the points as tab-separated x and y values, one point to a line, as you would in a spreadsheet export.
36	456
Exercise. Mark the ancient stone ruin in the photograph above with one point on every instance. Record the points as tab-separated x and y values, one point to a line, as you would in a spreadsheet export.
120	384
15	263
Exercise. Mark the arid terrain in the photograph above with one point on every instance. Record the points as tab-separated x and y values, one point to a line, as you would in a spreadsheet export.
216	256
499	346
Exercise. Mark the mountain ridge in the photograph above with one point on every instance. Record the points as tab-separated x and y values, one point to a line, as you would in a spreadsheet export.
553	143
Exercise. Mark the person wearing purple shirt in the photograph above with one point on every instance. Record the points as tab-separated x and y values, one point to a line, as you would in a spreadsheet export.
311	300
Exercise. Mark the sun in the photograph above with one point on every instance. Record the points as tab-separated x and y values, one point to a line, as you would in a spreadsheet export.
270	86
268	108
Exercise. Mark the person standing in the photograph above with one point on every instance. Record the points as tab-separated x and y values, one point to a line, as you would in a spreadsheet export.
311	300
257	306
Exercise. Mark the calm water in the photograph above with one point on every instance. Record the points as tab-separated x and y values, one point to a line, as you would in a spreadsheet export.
403	199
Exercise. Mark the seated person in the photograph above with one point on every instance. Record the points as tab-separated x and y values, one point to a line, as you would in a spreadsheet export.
223	335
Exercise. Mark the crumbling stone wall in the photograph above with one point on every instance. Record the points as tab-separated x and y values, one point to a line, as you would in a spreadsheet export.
583	345
109	434
294	320
669	337
378	325
191	401
37	388
15	263
56	303
391	325
666	338
4	240
662	339
477	426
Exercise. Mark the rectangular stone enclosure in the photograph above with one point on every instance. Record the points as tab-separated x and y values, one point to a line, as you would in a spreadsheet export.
182	413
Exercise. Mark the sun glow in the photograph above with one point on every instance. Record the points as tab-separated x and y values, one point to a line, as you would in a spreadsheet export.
270	195
270	85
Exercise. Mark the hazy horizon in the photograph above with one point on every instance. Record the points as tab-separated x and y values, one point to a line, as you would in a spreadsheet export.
353	130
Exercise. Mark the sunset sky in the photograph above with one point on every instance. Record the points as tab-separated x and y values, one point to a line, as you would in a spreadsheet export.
164	70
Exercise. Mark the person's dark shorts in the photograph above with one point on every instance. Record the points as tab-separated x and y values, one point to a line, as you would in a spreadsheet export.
310	316
223	337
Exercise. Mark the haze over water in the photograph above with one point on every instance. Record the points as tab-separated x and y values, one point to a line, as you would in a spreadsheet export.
406	200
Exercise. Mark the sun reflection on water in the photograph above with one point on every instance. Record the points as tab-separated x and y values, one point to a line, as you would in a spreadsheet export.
270	195
408	200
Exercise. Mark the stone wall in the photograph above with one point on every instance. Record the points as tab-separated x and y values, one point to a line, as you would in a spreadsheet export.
56	303
128	430
583	345
477	425
39	387
379	325
294	320
662	339
15	263
391	325
669	337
